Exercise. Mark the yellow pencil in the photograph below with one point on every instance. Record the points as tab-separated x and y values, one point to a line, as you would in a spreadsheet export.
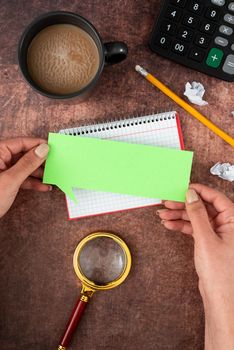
191	110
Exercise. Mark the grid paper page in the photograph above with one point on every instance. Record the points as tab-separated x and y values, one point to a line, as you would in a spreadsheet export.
155	130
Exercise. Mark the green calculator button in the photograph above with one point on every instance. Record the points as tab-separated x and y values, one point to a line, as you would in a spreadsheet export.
214	58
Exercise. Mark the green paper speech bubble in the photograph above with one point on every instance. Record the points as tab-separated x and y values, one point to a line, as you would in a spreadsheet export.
117	167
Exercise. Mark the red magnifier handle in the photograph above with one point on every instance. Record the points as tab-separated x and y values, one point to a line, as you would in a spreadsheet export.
72	323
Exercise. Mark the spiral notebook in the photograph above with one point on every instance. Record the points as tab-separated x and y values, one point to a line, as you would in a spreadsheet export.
156	130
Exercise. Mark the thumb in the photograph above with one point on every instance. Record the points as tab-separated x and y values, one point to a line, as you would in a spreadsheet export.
197	213
27	164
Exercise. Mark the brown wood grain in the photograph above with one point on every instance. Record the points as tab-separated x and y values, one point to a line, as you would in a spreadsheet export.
158	307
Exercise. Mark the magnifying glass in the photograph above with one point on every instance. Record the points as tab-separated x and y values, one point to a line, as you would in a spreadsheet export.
101	261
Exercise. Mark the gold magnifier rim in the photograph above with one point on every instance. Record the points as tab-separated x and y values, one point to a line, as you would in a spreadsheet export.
90	284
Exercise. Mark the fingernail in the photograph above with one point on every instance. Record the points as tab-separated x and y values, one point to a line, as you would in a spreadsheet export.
159	211
42	150
191	196
50	188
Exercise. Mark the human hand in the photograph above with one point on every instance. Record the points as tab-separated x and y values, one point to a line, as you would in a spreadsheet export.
20	167
208	216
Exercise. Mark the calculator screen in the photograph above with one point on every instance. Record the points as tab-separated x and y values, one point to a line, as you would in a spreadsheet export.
198	34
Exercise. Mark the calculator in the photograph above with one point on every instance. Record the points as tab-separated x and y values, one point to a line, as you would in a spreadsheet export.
198	34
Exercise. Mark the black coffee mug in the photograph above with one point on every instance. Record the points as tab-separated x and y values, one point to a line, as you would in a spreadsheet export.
109	53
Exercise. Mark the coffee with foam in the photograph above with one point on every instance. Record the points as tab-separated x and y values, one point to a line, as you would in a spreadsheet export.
62	59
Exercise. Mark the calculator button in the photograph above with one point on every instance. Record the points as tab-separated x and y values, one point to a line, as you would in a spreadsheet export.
168	27
218	2
190	21
173	14
163	40
185	34
179	47
208	27
231	6
180	3
202	40
232	47
195	7
228	66
214	58
229	18
225	30
212	13
197	55
221	41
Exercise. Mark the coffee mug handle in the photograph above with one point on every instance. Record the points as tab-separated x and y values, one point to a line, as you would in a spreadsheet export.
115	52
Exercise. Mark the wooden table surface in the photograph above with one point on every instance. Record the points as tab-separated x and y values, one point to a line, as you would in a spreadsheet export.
158	307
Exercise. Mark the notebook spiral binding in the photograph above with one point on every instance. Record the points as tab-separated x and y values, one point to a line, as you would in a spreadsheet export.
119	123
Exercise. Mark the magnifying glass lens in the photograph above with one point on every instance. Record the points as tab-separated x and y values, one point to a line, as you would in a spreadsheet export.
102	260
